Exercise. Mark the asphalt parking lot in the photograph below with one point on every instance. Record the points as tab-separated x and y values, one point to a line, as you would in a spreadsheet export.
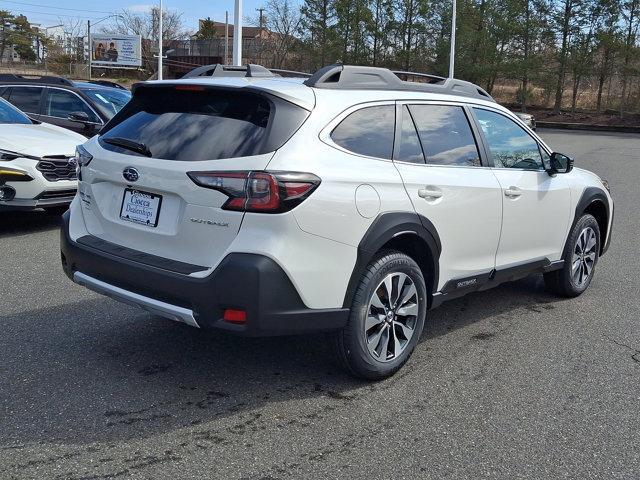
508	383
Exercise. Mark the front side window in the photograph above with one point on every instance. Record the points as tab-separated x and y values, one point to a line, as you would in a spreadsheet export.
510	145
26	99
61	103
368	131
445	135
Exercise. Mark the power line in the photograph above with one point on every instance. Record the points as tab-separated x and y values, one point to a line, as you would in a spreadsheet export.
57	15
56	8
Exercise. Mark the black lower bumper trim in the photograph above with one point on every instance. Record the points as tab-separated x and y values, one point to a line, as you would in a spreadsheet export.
140	257
249	282
30	204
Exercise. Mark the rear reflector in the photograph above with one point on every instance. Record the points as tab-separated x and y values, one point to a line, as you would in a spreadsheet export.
254	191
234	316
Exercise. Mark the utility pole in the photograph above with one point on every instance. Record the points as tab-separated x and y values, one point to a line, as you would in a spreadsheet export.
160	44
237	34
261	17
89	53
452	53
226	37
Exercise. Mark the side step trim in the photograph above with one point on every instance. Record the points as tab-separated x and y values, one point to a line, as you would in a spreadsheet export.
459	287
167	310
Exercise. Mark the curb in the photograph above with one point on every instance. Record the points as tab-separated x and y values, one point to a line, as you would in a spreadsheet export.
582	126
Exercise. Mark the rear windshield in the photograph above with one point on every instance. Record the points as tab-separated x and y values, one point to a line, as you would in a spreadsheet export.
192	123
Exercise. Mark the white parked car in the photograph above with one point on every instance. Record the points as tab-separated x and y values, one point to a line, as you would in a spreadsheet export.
37	168
528	119
352	202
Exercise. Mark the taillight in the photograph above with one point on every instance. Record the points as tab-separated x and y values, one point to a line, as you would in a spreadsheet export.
253	191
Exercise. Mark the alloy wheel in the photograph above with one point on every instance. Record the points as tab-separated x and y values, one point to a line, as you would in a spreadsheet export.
392	314
584	257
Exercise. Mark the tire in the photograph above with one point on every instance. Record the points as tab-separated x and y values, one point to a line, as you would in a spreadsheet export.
361	344
580	259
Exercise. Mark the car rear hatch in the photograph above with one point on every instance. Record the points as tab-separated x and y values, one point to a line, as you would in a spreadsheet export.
136	190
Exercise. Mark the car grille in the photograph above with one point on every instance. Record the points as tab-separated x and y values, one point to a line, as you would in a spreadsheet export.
56	168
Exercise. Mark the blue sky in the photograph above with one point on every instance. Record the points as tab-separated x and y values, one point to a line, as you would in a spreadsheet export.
51	12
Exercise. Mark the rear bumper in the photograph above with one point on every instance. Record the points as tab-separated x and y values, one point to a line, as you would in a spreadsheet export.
242	281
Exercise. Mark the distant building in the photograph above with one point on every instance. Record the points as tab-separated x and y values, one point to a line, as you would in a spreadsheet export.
247	32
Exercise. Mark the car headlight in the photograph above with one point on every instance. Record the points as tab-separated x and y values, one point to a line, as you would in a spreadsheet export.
8	155
82	157
605	184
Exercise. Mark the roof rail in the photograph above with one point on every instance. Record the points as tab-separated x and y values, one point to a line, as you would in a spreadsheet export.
251	70
220	70
107	83
11	77
351	77
292	73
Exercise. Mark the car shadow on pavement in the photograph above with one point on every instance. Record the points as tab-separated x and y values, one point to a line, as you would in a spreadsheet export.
97	370
22	223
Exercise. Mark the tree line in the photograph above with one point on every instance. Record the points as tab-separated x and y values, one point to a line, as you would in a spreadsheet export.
551	51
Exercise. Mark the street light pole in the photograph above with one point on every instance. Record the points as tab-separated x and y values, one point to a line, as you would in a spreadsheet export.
160	44
226	38
89	50
237	34
452	53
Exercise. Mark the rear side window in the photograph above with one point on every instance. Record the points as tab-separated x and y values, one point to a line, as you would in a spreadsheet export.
445	135
26	99
190	123
368	131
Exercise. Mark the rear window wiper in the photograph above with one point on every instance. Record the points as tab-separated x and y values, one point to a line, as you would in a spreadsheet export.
132	145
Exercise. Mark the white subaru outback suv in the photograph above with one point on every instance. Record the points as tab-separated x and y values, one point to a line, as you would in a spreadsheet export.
352	202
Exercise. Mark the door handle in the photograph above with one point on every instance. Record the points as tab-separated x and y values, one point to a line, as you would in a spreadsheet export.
512	192
430	193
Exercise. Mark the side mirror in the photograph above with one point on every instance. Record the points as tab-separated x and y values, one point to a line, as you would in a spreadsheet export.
559	163
80	117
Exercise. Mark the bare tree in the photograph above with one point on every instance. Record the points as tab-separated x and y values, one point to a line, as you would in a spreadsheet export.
282	21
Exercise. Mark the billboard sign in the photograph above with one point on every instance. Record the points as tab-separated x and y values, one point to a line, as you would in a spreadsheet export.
116	50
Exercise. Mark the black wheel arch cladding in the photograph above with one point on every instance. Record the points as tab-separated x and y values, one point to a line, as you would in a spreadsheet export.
589	197
387	227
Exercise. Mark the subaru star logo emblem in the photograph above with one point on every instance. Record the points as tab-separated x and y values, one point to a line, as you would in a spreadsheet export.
130	174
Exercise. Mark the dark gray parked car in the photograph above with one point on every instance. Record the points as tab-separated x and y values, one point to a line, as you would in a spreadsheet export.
83	107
